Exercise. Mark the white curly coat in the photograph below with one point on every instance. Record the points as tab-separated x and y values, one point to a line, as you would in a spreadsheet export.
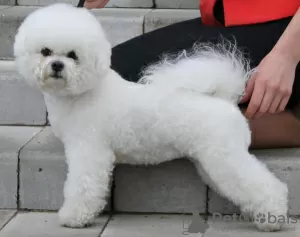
182	107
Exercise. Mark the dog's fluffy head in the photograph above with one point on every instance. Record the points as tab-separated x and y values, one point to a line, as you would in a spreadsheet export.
62	49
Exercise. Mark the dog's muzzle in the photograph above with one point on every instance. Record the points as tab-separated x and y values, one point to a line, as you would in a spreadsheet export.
57	67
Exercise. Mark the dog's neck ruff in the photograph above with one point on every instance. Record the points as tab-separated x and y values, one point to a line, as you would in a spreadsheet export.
110	89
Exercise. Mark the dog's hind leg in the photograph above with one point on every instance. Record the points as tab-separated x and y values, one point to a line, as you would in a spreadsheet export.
239	176
87	185
204	176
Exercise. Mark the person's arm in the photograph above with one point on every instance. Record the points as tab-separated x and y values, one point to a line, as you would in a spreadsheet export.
95	3
289	41
270	87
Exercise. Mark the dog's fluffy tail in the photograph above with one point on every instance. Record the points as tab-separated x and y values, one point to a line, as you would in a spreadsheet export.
220	70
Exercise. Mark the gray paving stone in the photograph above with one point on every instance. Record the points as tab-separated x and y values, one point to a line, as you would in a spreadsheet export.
111	3
130	3
43	173
45	2
10	20
46	224
11	141
7	2
171	187
19	103
5	216
176	225
181	4
285	164
123	225
7	66
148	226
218	204
226	226
160	18
120	25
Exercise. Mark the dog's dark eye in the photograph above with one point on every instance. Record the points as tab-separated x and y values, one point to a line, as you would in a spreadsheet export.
72	55
46	52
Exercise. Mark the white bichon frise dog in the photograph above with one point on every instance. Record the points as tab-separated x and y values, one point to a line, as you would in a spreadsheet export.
181	108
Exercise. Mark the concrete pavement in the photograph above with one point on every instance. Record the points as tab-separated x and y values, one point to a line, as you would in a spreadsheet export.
45	224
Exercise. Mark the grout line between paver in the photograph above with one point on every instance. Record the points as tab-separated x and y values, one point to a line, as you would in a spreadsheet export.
144	20
18	168
24	125
105	225
13	216
47	118
206	204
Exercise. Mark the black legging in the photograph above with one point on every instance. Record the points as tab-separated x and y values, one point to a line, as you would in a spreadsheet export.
256	41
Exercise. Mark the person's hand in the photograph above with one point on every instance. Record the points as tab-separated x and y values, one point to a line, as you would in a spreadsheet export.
270	87
95	3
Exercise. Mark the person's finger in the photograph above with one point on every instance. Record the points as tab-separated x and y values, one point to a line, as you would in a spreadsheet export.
258	115
248	91
283	103
90	4
256	99
268	99
275	103
286	96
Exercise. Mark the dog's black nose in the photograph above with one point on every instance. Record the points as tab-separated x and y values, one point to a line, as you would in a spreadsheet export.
57	66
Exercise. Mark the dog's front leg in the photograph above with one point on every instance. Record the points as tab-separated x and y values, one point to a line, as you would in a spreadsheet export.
90	166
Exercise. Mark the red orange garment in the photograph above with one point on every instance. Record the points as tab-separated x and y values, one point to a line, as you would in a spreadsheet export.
243	12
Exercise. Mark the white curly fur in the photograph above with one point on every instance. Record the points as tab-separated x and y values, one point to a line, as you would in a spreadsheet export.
181	108
183	71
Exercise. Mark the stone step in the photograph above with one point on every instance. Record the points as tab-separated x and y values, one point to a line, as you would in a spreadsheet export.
129	225
12	139
32	224
110	4
33	171
20	104
7	3
176	187
114	21
165	4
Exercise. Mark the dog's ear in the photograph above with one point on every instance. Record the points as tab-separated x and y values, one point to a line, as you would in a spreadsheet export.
103	62
103	55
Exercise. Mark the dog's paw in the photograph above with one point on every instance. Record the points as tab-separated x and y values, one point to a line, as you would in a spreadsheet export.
267	218
272	213
268	221
263	225
75	216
